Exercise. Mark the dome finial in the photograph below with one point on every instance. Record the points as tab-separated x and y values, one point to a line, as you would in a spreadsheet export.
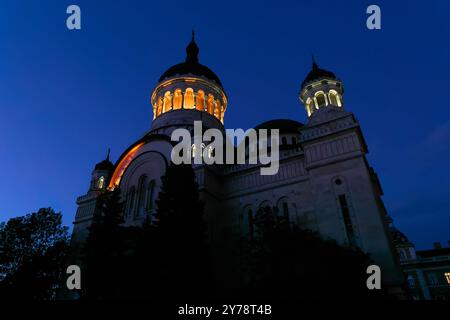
192	50
314	63
107	156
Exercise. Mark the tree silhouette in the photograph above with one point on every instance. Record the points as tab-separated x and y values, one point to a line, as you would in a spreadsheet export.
283	261
177	239
33	249
102	255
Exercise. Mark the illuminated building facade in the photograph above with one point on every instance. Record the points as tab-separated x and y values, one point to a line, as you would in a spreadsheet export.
324	182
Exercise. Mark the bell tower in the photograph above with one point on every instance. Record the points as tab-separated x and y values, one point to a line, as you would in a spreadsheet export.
320	89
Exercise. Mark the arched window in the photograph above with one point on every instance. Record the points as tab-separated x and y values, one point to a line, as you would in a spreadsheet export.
320	98
286	209
189	99
167	104
200	100
222	114
177	99
150	195
142	190
101	182
283	141
310	106
130	201
334	98
159	109
155	109
246	221
294	140
210	104
217	109
193	150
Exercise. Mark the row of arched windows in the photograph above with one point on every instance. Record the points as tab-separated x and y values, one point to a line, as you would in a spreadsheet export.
188	100
140	200
321	99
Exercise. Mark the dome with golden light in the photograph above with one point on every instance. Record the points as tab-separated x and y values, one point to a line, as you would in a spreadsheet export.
189	85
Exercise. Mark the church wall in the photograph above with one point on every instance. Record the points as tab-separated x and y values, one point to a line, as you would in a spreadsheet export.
367	220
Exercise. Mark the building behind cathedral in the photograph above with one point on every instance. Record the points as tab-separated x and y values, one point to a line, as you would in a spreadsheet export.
324	183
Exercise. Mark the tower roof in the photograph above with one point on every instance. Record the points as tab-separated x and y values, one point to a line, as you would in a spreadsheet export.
317	73
105	164
191	65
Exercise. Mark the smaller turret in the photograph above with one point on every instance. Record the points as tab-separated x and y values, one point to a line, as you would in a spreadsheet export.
321	88
101	175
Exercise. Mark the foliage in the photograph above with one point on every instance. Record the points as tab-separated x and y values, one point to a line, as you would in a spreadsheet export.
177	239
102	253
33	250
284	261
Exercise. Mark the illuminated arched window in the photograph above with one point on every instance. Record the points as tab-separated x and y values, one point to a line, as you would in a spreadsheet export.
334	98
321	100
155	109
159	108
210	104
193	147
167	104
101	182
217	109
200	100
309	106
222	114
188	99
210	151
177	99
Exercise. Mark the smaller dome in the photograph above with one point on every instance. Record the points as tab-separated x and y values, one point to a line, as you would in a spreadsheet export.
284	125
317	73
105	164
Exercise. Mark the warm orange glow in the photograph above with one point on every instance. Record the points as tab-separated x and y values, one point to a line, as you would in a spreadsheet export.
188	99
447	277
160	107
123	164
210	104
210	98
154	111
167	105
200	101
217	109
177	99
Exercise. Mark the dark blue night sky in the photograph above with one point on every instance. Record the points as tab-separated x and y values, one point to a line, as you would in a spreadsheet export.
66	96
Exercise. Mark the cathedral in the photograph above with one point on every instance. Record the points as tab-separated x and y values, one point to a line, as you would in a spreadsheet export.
324	182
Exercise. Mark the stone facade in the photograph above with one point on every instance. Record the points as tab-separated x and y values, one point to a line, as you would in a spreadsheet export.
324	181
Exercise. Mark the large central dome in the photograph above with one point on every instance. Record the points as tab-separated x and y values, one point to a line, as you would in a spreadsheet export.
191	66
188	90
